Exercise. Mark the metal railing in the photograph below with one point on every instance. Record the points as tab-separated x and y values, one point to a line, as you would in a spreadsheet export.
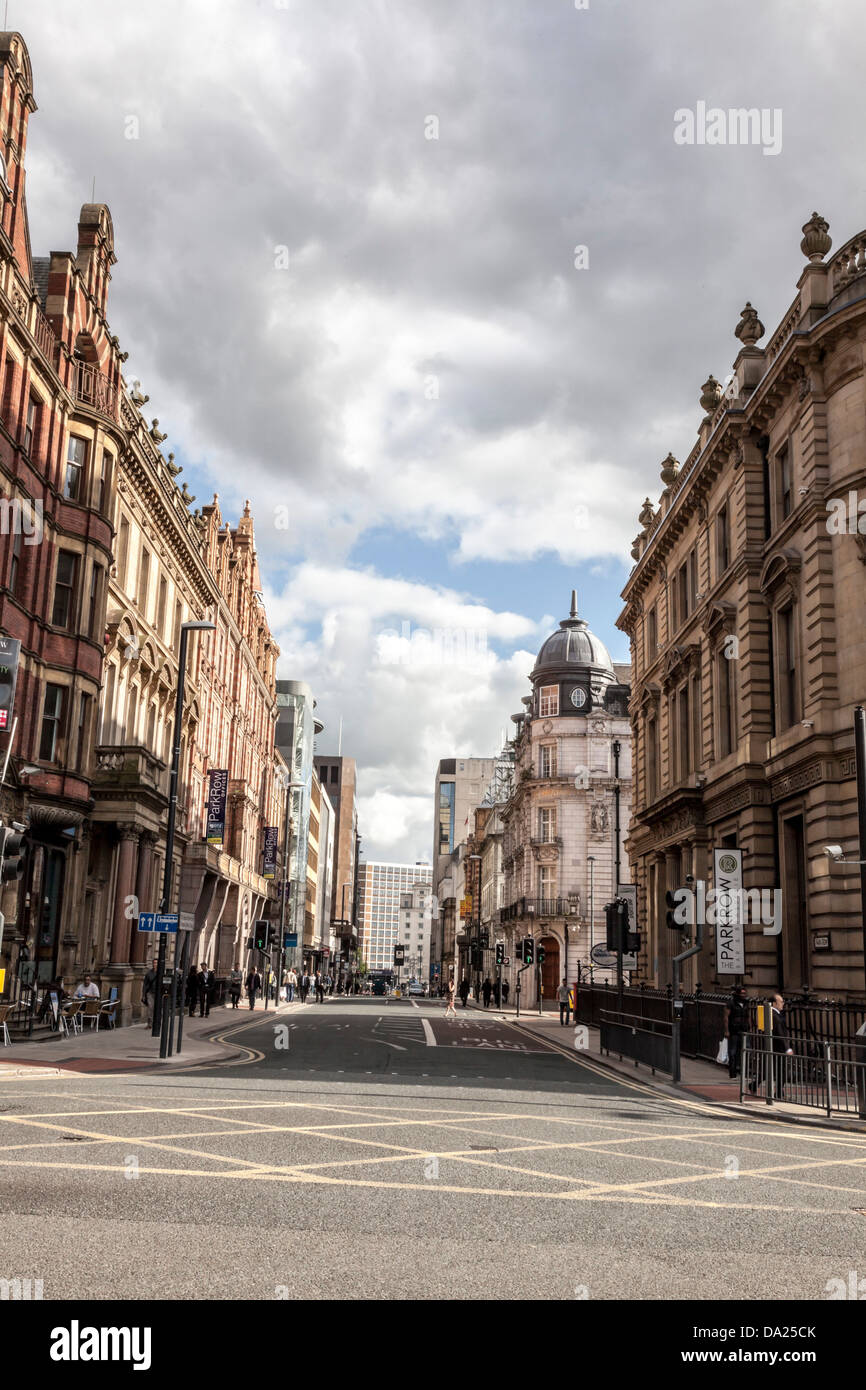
93	389
820	1078
538	907
644	1040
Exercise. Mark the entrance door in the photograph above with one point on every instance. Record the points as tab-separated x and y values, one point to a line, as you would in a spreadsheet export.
550	972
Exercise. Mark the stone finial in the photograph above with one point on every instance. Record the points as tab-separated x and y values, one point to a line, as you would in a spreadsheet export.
647	514
670	470
816	239
750	328
711	394
247	507
155	434
636	547
186	496
173	468
137	396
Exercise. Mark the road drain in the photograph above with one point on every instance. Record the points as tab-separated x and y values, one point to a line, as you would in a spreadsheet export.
74	1138
483	1149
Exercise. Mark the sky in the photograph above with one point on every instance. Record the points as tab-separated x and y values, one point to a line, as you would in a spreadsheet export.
436	284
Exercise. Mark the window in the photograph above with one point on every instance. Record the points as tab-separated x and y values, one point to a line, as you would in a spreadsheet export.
76	457
15	564
81	735
788	689
93	606
52	722
726	713
683	732
31	429
548	701
723	557
692	570
783	472
652	758
547	760
104	480
62	613
546	824
682	592
143	581
8	389
123	552
652	635
178	619
160	606
335	772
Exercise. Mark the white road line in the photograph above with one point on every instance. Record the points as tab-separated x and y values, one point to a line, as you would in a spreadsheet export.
428	1032
383	1043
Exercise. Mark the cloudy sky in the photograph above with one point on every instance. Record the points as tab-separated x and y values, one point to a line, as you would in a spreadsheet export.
348	278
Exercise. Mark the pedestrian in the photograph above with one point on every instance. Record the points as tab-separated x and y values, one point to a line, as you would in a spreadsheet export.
87	989
505	989
487	990
254	984
464	990
564	1003
148	989
191	990
292	985
497	993
205	989
449	1007
737	1020
781	1045
236	979
320	988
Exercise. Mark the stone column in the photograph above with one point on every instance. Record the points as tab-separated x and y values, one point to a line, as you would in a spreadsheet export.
119	972
141	943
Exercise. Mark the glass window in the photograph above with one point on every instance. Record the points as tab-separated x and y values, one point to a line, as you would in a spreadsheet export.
52	722
76	456
783	465
93	602
81	737
547	760
143	581
31	429
62	612
548	701
723	558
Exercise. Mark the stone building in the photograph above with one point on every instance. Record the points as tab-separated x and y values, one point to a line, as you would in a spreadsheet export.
566	820
744	611
338	775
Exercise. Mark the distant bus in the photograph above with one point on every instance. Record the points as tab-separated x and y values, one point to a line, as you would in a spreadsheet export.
381	981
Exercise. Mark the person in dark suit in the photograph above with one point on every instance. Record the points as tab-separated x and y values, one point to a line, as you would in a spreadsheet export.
736	1028
781	1045
254	984
191	990
205	989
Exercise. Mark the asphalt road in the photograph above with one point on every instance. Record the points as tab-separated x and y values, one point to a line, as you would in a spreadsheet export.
362	1162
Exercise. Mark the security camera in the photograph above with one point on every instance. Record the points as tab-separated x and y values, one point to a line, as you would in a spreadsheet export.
834	851
808	723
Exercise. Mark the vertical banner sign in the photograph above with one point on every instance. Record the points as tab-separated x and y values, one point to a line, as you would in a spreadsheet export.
10	651
730	933
270	865
217	790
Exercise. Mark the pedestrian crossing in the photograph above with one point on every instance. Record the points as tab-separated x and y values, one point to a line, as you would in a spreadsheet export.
400	1030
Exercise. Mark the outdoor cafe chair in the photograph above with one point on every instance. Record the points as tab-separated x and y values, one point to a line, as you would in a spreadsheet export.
91	1012
70	1013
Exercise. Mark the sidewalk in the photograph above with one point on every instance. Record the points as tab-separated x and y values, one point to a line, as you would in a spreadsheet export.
133	1048
706	1081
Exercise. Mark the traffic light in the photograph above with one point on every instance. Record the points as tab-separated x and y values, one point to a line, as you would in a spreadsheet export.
12	846
539	956
528	950
399	955
262	936
680	909
500	953
518	950
616	920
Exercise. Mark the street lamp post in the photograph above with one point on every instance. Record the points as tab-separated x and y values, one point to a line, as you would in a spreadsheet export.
157	1030
591	862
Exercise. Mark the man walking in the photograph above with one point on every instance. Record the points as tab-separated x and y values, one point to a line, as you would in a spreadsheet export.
564	1003
464	990
781	1045
148	991
236	979
291	985
505	989
487	990
254	984
320	988
205	989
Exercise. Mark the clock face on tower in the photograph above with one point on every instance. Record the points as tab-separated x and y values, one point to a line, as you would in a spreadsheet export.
579	697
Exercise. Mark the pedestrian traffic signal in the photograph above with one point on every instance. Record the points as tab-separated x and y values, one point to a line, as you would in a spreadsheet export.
12	846
262	936
399	955
540	955
500	953
680	909
528	950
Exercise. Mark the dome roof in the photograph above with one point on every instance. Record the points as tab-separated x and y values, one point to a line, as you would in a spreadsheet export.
573	648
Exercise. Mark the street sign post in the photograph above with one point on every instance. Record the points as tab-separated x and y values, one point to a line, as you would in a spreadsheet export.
162	922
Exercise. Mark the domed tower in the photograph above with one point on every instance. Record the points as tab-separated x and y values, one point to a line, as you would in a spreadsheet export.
574	673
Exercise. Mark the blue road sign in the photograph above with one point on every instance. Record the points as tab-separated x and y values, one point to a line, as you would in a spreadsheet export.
158	921
290	939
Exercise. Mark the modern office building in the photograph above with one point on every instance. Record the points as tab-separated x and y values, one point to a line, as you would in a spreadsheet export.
382	891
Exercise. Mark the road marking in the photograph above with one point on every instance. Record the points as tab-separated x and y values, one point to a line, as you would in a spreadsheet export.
383	1043
428	1032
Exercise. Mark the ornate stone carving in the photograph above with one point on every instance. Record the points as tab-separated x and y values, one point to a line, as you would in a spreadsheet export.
155	433
670	470
647	514
711	395
750	328
816	239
